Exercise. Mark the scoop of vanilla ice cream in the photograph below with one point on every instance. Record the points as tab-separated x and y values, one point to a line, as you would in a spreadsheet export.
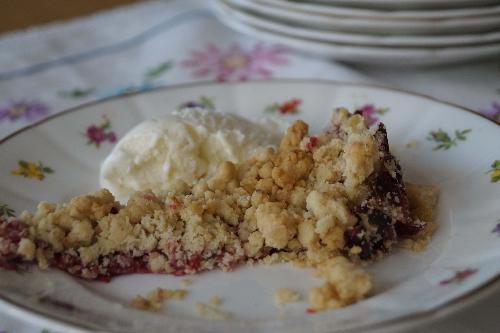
186	145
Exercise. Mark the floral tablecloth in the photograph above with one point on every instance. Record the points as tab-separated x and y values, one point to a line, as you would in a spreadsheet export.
161	43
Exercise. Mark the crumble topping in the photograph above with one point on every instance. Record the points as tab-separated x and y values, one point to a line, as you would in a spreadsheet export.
313	201
344	284
26	248
283	296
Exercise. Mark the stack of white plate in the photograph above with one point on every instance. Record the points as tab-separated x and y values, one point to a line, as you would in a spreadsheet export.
419	32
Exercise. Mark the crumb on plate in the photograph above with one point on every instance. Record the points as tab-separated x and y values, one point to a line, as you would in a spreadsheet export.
344	284
154	300
212	310
283	296
186	282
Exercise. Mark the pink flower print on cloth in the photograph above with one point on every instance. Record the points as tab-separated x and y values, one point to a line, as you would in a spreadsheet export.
235	62
29	110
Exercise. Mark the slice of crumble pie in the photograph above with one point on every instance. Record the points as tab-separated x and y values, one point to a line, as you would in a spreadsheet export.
315	198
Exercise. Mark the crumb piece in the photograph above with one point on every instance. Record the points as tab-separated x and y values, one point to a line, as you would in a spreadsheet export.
186	282
355	250
145	304
300	263
361	155
215	301
212	311
276	224
345	284
27	248
412	144
283	296
165	294
294	135
225	173
277	257
42	259
154	300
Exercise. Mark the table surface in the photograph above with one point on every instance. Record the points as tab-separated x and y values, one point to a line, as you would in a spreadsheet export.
91	58
21	14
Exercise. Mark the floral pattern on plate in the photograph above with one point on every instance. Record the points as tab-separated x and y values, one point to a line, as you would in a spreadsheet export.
370	112
236	62
445	141
288	107
496	229
202	102
459	276
5	210
493	113
495	171
29	110
97	134
31	170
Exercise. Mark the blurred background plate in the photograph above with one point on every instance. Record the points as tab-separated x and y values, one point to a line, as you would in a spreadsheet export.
338	11
373	26
278	26
367	54
407	4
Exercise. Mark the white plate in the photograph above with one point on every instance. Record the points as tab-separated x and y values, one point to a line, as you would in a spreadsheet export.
274	25
408	285
408	4
364	25
337	11
401	56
